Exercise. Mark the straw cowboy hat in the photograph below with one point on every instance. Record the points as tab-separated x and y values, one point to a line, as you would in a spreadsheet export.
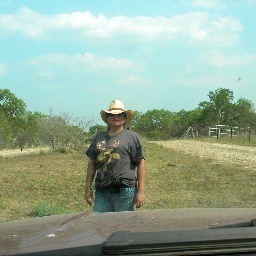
116	107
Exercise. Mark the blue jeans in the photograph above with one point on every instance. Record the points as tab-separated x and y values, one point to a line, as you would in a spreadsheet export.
108	200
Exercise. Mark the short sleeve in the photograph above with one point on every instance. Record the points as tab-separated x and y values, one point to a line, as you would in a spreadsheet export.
90	152
137	151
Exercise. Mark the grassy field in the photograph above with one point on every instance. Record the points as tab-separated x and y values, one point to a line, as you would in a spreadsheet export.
241	140
53	183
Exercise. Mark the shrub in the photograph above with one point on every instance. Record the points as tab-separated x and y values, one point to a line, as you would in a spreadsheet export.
41	210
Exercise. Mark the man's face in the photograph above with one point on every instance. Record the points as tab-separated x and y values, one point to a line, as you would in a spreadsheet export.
116	119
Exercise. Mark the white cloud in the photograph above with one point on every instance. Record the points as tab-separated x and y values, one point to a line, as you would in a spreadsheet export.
3	69
130	80
46	74
220	4
98	89
208	4
221	61
50	86
78	62
251	3
195	26
217	32
196	82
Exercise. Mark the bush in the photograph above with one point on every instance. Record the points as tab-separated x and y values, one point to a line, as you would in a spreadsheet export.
42	210
61	150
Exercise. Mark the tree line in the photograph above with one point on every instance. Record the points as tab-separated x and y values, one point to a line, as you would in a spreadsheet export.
20	128
219	110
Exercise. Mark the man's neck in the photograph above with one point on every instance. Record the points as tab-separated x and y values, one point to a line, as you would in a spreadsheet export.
115	130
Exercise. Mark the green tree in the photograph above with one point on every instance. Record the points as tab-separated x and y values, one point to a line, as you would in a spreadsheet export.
93	130
220	107
244	109
14	110
136	123
5	131
221	100
11	105
245	115
186	119
155	124
63	131
28	131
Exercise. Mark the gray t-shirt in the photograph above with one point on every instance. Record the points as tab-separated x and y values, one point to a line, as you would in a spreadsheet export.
116	158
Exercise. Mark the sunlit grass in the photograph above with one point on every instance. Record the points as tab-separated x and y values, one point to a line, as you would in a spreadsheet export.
178	180
53	183
48	179
242	139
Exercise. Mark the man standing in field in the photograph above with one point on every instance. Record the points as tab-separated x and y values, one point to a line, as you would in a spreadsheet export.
117	160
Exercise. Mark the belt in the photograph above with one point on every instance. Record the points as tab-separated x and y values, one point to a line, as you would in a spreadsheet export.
115	189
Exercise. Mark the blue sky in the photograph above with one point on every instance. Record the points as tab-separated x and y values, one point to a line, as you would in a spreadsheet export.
76	56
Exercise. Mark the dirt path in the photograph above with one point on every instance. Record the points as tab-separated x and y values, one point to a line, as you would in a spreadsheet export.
25	151
243	155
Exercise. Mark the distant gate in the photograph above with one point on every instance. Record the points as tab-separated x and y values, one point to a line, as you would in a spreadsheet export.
223	130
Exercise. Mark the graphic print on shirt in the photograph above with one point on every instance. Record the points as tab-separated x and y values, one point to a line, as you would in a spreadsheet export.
107	154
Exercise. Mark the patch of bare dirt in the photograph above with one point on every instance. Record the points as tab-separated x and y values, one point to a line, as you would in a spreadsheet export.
242	155
25	151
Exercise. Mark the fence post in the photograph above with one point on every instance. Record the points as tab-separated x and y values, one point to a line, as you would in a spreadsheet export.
52	140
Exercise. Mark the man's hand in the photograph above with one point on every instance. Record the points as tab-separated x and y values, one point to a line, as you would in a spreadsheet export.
140	199
89	196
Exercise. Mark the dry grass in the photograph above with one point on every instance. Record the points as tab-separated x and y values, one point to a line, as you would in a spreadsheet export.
53	183
179	180
241	139
52	179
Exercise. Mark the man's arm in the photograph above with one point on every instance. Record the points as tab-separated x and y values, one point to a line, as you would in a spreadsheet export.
90	173
141	176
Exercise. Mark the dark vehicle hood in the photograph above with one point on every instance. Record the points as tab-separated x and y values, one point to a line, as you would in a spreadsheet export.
90	229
